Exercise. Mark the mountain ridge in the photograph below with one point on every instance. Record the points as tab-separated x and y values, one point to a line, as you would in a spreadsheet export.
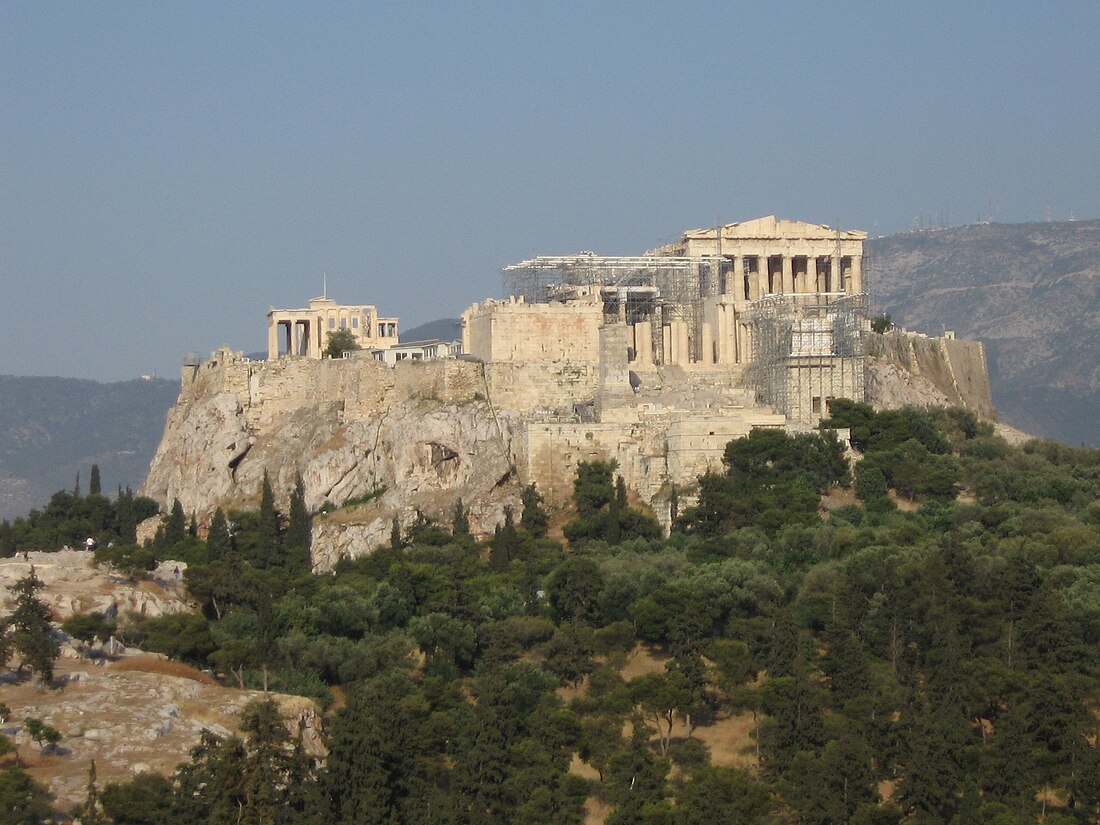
51	429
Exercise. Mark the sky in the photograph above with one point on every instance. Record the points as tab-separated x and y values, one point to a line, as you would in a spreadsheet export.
169	171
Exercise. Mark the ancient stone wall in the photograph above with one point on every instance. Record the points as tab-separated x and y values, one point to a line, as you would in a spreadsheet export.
502	331
541	387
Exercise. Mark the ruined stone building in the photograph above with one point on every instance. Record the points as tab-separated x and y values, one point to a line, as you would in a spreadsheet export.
654	361
304	332
658	360
774	306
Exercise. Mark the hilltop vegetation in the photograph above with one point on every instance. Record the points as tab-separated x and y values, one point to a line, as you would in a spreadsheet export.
1030	292
926	652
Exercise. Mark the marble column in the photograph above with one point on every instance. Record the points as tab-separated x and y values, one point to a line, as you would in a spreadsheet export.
272	339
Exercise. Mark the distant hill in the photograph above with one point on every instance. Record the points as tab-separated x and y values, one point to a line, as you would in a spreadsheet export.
445	329
53	428
1031	292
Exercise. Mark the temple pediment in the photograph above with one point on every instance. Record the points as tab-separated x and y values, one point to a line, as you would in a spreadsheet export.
773	228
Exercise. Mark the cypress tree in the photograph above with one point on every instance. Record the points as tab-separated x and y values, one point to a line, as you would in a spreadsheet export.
218	542
534	518
125	520
89	811
460	524
395	535
93	481
505	543
268	544
7	539
299	526
174	528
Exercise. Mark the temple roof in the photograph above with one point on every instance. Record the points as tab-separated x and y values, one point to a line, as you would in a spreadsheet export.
772	227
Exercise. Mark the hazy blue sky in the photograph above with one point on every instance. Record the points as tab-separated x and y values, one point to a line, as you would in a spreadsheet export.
170	170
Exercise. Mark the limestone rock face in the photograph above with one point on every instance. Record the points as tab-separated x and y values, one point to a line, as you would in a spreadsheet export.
373	452
208	439
421	456
74	585
890	387
135	715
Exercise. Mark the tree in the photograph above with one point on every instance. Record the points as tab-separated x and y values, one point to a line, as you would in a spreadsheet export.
573	588
723	794
33	639
86	627
219	544
395	535
534	518
881	323
180	636
460	522
23	801
174	528
89	811
45	735
338	342
299	527
125	517
267	550
93	481
145	800
505	543
593	488
7	539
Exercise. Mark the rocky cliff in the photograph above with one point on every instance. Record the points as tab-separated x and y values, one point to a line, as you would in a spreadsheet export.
375	444
909	368
378	443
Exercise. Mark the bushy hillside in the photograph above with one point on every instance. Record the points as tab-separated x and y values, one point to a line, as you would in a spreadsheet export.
53	428
1031	292
915	641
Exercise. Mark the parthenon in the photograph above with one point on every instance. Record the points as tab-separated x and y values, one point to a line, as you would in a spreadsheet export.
778	305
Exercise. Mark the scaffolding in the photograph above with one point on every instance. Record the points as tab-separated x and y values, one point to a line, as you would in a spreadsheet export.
633	290
806	350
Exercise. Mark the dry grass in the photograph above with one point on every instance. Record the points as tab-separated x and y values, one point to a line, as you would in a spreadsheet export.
582	769
837	497
642	660
595	811
904	504
165	667
730	741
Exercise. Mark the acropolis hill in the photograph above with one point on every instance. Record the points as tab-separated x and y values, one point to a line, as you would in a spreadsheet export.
654	361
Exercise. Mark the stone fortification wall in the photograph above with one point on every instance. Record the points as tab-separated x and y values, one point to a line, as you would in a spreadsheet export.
655	449
362	387
500	331
541	387
948	368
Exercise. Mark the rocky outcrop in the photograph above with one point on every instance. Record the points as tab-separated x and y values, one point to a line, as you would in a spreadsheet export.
129	711
910	368
372	444
132	716
73	584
